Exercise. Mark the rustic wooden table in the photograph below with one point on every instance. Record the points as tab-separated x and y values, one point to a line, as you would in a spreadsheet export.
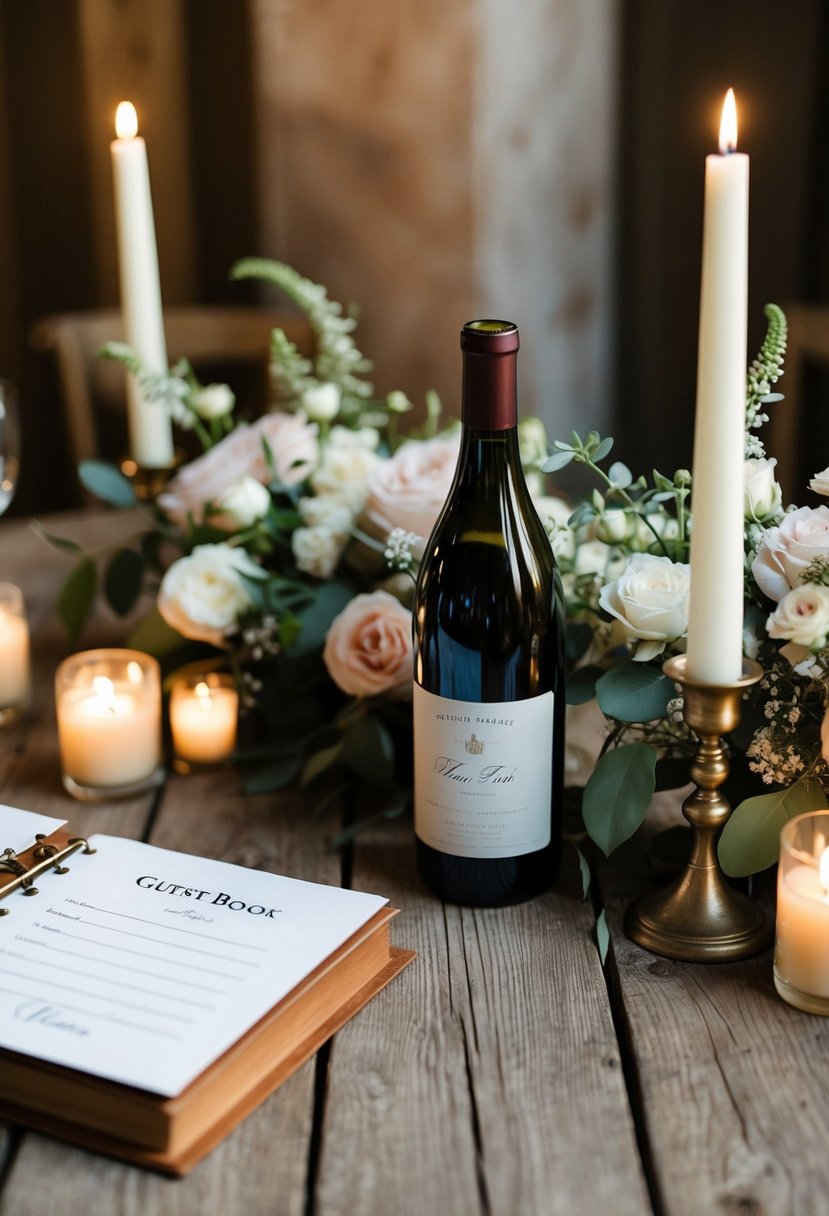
504	1073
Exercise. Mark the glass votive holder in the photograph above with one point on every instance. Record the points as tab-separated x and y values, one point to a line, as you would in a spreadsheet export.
204	712
109	723
15	668
801	952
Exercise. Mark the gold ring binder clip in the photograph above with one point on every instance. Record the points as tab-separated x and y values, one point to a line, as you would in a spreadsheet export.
45	857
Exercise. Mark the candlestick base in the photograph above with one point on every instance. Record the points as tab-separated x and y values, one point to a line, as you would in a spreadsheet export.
148	483
700	918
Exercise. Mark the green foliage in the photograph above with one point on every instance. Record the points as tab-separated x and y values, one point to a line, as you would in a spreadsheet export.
57	542
634	692
602	936
766	370
153	635
123	578
750	839
107	482
618	794
77	597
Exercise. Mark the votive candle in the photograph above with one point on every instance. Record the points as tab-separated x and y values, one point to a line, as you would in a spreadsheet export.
801	954
15	677
204	711
109	723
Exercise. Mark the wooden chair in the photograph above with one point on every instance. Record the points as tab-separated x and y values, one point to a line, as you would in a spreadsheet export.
788	426
216	340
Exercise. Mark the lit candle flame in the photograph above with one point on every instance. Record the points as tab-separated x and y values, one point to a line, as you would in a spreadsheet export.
728	124
126	120
105	692
823	870
134	673
203	694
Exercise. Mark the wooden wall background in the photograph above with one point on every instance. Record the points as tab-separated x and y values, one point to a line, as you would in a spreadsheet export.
431	162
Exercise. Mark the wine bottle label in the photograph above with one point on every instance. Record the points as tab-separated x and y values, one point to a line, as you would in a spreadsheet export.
483	774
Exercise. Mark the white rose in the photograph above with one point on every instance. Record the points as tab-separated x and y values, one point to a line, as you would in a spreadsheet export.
360	437
595	557
645	535
802	617
347	464
202	595
243	503
650	598
787	549
368	649
615	526
212	401
321	402
820	483
317	550
763	496
325	511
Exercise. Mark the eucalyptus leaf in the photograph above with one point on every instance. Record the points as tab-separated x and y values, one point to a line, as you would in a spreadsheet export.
603	449
368	749
77	597
107	482
584	871
578	636
319	762
58	542
276	776
154	636
618	794
581	685
634	692
122	580
557	461
602	936
331	597
750	840
620	475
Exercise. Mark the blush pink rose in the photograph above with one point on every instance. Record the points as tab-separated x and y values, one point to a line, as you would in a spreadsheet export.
409	490
786	550
368	649
292	439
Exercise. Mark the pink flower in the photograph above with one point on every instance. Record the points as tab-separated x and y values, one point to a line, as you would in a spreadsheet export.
786	551
292	440
409	490
368	649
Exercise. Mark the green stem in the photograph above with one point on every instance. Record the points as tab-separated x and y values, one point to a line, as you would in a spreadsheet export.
629	502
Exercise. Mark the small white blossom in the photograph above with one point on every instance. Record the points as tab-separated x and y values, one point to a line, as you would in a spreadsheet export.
212	401
317	550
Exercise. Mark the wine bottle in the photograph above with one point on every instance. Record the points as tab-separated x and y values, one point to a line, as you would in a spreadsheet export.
489	658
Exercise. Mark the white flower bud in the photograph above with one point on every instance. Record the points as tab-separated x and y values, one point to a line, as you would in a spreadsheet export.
212	401
321	402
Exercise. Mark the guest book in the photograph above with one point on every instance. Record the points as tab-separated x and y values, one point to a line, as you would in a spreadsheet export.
152	999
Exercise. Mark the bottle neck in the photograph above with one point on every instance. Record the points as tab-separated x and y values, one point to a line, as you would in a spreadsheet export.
489	399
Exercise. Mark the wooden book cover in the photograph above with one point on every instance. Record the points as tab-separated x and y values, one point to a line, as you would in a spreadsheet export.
136	1012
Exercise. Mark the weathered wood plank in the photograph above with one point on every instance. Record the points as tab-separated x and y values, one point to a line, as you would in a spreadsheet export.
733	1084
488	1078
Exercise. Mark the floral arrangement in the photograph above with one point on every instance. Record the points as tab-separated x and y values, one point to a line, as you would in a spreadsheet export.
286	552
623	555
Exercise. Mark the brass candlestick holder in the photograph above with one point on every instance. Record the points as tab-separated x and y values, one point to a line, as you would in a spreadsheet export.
149	482
699	918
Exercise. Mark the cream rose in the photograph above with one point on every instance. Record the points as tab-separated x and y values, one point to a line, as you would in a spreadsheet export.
317	550
321	402
291	439
212	401
787	549
820	483
368	649
201	595
348	462
802	617
409	490
243	503
763	497
650	598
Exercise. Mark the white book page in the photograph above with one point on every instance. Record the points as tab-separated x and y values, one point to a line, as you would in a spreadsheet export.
19	828
142	965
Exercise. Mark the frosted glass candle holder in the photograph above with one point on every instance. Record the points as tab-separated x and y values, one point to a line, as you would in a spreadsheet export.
109	723
15	672
801	953
204	711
